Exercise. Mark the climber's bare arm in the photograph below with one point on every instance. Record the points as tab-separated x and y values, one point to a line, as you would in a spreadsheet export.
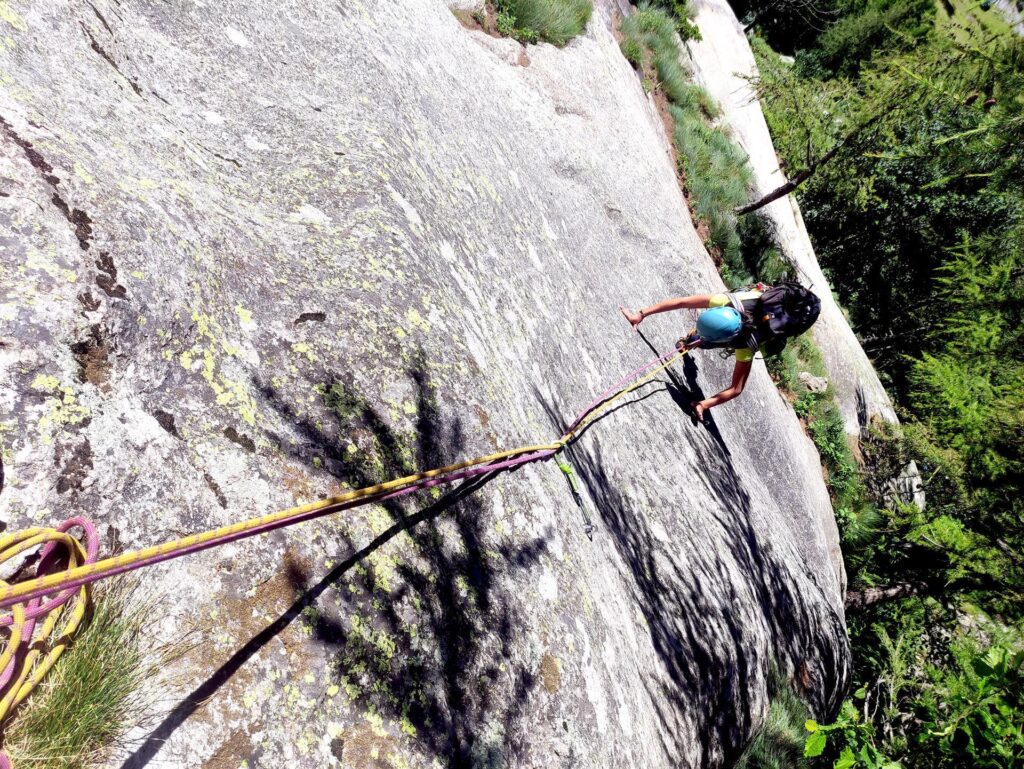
739	380
681	303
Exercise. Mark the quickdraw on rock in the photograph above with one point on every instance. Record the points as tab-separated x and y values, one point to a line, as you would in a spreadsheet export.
574	487
58	594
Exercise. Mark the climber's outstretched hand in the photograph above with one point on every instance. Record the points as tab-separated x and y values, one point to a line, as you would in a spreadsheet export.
698	410
634	318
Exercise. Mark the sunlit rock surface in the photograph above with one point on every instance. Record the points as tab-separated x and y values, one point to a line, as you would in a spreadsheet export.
253	252
1012	11
723	63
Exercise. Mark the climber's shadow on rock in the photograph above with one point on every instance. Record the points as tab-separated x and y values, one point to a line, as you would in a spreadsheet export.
421	632
685	391
706	630
697	676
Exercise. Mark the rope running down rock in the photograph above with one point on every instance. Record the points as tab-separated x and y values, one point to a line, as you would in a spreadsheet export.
58	593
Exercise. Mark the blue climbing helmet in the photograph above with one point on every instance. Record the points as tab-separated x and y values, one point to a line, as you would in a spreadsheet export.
719	324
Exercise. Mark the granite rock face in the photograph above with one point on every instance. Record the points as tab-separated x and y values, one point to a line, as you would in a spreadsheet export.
1012	11
253	252
724	64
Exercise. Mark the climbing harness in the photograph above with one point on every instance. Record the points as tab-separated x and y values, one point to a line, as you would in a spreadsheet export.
68	565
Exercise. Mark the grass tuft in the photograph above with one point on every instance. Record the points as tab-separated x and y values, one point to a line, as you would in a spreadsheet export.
552	21
859	525
715	170
633	52
779	744
717	175
97	690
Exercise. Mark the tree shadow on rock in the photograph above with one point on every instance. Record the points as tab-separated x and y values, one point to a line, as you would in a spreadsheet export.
422	632
710	656
806	631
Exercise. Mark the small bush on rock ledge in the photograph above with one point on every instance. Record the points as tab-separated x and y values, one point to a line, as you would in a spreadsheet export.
551	21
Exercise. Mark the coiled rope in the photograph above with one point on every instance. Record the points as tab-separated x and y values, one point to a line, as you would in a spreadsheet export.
68	565
30	652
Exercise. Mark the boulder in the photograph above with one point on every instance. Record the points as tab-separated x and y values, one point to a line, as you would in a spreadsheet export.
816	384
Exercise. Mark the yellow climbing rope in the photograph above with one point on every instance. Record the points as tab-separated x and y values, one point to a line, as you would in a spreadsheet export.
75	576
17	681
63	594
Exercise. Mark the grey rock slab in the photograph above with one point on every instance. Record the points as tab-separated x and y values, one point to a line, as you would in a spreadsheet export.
469	6
254	253
908	487
723	63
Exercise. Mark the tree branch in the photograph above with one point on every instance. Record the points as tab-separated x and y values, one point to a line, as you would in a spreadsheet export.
807	173
861	599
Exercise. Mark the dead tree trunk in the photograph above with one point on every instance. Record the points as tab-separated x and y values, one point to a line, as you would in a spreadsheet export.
784	189
861	599
806	173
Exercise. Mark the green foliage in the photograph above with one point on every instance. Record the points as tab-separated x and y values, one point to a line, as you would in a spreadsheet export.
946	473
785	370
715	169
779	742
633	52
551	21
970	388
96	693
943	691
966	393
681	14
687	29
852	738
508	26
855	507
806	116
918	220
888	24
972	708
928	161
856	514
805	403
858	523
960	18
789	25
653	30
940	308
965	551
829	435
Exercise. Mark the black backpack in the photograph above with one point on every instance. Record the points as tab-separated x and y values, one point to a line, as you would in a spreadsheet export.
782	311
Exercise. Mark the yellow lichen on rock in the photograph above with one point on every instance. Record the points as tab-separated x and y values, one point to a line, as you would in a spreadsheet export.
62	407
10	16
212	342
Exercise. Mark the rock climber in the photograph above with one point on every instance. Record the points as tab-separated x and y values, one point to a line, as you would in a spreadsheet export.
757	319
